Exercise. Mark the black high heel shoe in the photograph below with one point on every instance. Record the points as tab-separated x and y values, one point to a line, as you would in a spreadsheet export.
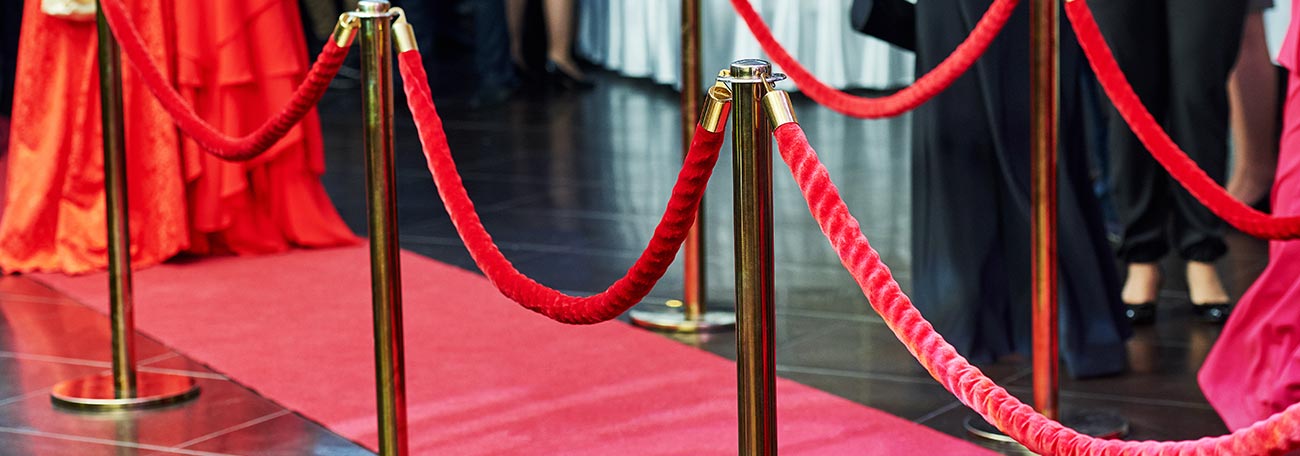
1214	313
1143	314
563	79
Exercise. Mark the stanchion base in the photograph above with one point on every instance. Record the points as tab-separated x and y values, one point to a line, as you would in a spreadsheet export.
1099	424
673	319
988	436
97	392
1094	423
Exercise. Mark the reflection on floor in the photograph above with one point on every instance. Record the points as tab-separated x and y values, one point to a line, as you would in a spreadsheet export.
571	185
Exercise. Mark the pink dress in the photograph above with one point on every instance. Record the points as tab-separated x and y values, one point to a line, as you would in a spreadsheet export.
1253	371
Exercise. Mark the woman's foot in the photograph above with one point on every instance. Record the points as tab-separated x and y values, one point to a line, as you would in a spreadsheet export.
517	57
1140	292
565	73
1206	291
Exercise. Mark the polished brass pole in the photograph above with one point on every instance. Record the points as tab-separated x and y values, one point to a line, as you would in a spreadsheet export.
689	314
693	265
120	309
1045	54
751	143
123	387
385	271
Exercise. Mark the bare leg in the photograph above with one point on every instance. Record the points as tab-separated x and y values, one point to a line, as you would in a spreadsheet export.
1252	95
1204	285
559	39
515	25
1142	285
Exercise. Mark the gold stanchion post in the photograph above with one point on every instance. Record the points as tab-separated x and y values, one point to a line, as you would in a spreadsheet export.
689	314
1045	80
751	143
385	270
693	265
1043	108
124	388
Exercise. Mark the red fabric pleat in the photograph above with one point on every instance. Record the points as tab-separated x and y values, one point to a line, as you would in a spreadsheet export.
623	293
54	203
226	147
234	81
1279	433
925	87
1181	167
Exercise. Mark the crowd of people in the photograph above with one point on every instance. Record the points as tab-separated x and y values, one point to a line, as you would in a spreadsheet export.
1181	58
1201	67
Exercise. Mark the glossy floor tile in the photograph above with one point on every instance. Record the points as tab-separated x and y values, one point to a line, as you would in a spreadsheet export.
45	338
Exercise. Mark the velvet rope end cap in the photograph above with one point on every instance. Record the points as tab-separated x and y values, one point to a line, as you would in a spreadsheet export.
403	33
717	106
779	109
345	30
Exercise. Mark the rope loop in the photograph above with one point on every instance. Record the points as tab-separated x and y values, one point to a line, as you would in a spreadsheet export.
925	87
242	148
624	293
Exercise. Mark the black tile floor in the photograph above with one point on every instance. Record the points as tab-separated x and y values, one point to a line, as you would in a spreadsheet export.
571	185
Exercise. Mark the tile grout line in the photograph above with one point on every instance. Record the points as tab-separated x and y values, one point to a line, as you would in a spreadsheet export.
140	365
36	299
26	396
1137	400
237	427
940	411
77	438
832	315
160	357
183	373
918	380
55	359
452	241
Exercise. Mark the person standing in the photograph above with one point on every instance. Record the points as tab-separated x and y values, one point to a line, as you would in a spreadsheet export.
1177	54
561	68
1253	96
1253	371
181	199
970	168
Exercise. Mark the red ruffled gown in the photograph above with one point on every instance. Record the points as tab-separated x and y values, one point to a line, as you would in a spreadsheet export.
236	63
1253	371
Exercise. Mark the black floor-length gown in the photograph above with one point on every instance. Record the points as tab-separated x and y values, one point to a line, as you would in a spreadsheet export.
970	194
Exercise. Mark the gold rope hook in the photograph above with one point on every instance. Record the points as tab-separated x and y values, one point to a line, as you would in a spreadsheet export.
346	29
403	33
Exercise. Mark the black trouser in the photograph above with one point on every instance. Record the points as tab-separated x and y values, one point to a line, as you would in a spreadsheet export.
492	45
1177	54
11	19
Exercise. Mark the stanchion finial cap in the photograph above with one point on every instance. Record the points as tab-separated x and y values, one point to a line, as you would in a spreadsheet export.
750	69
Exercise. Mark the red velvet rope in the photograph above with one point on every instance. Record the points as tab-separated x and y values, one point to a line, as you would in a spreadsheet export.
626	291
1162	147
1281	432
223	146
925	88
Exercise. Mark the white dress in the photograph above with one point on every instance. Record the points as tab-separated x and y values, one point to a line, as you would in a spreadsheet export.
640	38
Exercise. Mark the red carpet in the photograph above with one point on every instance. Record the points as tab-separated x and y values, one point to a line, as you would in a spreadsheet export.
485	377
